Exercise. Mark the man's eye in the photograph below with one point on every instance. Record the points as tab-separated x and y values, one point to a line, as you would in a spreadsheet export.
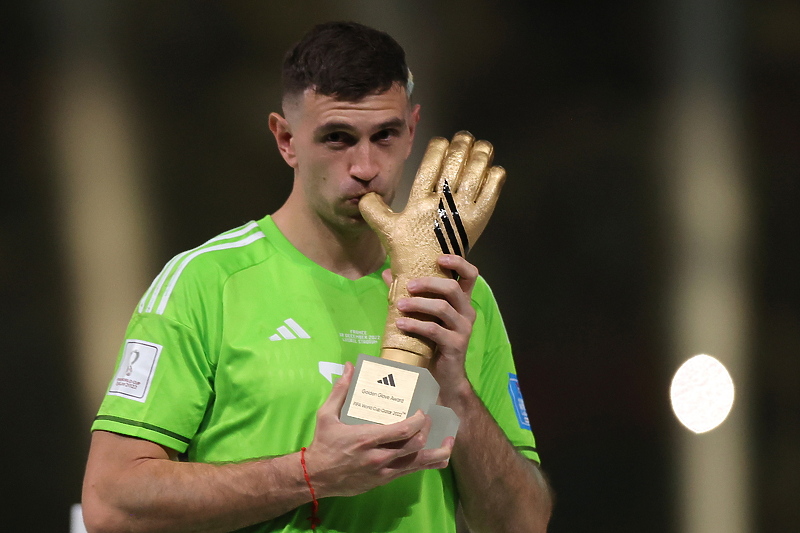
385	135
337	137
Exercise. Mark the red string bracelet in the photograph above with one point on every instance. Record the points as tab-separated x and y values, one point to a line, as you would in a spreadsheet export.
314	503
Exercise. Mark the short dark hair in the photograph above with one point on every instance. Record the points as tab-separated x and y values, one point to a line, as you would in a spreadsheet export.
345	60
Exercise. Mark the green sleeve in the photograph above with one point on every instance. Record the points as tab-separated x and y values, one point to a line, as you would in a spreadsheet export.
491	370
163	383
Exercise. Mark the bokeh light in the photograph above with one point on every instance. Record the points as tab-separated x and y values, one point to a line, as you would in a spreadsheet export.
702	393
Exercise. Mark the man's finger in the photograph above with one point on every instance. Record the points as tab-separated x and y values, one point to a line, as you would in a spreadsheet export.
335	401
431	458
387	276
409	446
441	454
467	272
398	431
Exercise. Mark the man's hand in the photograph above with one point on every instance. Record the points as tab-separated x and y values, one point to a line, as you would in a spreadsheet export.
453	196
345	460
483	457
448	302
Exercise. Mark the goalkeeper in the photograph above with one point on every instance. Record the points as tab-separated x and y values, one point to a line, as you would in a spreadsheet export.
222	414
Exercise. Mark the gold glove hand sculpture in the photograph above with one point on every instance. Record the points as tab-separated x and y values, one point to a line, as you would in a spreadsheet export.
453	195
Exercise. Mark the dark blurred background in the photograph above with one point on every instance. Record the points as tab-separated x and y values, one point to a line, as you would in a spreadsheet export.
135	130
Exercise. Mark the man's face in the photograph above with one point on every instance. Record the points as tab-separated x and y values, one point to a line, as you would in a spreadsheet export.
342	150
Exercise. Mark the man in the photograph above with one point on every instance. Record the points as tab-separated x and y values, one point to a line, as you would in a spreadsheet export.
222	413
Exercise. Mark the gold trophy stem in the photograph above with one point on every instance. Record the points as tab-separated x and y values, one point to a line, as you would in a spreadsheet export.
402	356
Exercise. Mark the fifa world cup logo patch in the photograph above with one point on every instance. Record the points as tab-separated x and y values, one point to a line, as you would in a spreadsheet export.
134	358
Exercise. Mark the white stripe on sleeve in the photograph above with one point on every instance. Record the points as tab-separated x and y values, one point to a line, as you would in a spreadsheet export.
225	246
155	288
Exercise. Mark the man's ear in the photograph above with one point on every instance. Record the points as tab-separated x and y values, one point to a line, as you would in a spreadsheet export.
412	126
282	131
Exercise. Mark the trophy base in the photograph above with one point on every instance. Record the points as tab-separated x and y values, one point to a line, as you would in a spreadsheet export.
384	391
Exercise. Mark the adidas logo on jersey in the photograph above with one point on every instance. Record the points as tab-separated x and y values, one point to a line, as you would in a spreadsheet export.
388	380
294	331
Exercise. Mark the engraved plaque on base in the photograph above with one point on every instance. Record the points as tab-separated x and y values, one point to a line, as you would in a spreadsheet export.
384	392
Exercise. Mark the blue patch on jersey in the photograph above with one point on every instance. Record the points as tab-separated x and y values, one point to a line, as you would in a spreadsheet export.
519	404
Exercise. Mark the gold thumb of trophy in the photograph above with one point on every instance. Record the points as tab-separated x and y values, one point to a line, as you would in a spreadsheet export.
452	198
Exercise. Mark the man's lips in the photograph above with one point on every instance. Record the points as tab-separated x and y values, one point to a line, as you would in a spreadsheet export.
351	203
357	197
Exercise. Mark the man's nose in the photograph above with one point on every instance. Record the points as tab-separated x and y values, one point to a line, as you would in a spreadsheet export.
364	163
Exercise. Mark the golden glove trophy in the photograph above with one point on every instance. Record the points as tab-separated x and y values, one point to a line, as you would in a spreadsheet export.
452	198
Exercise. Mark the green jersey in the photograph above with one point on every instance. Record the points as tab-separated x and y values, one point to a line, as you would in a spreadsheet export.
235	346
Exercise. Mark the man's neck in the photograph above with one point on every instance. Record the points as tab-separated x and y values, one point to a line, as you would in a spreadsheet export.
352	254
